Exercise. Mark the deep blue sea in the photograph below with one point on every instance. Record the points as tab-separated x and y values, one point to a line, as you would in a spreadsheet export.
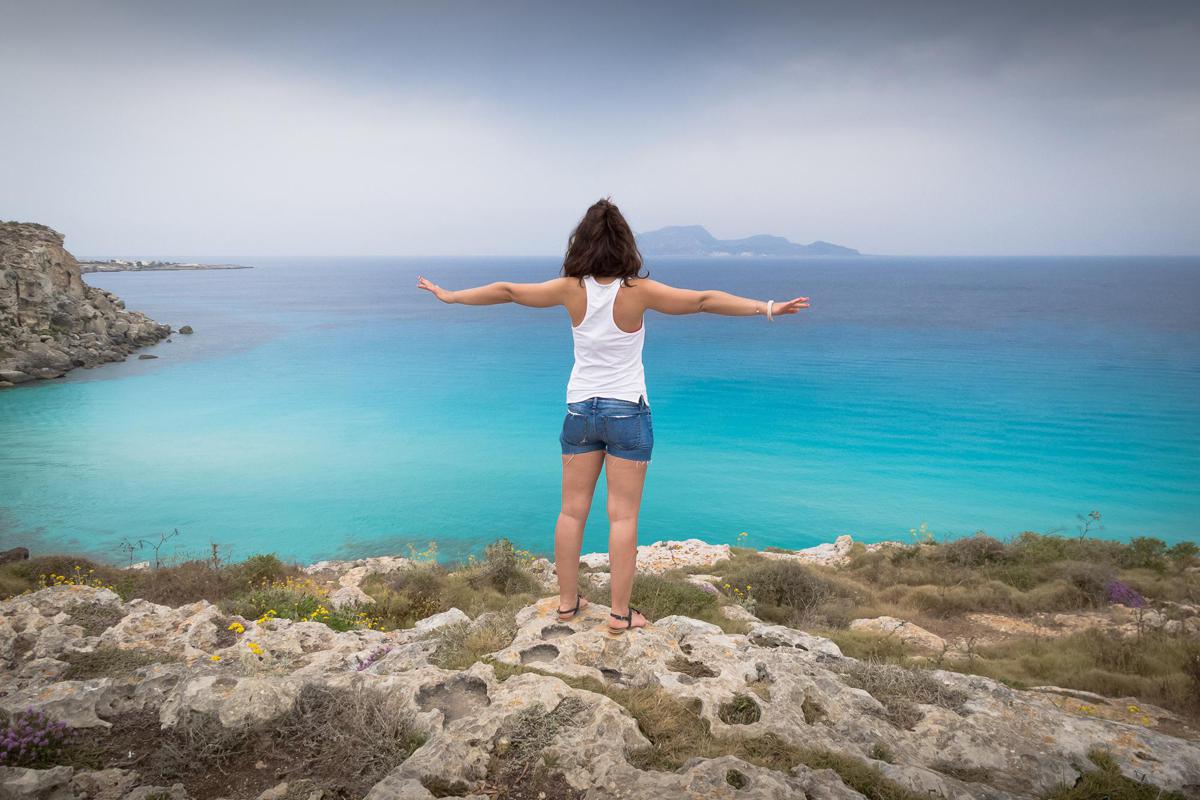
327	408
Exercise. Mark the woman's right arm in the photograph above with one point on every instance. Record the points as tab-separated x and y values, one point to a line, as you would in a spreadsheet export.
670	300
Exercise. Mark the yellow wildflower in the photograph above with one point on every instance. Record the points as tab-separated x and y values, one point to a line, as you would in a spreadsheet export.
214	658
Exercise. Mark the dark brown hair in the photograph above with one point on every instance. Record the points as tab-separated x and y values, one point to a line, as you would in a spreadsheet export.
602	245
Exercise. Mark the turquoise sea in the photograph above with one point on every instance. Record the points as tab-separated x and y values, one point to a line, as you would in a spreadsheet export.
326	408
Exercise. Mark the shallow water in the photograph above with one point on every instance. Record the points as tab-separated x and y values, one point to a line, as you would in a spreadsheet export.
325	408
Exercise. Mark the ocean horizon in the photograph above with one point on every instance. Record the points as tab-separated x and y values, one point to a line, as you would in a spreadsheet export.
326	408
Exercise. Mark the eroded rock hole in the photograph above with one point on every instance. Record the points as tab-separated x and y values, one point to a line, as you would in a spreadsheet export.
557	631
458	697
539	653
611	675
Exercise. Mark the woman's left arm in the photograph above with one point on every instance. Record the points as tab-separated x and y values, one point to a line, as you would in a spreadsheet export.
536	295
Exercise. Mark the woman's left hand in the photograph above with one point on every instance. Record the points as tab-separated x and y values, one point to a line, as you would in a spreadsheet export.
789	306
437	291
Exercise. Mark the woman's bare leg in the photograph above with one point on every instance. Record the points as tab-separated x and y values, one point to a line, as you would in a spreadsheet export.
580	472
625	481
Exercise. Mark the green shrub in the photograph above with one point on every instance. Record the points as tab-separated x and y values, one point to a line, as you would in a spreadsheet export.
300	599
972	551
505	569
1090	579
784	590
1145	552
1184	554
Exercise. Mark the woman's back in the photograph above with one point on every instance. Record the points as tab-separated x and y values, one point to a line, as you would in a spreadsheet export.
608	360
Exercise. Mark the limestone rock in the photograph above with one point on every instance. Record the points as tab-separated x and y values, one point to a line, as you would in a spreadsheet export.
346	596
828	553
663	556
50	320
800	687
907	632
451	617
20	783
105	784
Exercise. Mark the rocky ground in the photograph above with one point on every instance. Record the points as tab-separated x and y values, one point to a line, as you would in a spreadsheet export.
50	320
681	709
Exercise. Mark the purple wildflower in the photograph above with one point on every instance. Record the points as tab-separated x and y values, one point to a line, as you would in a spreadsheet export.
1123	593
371	658
30	738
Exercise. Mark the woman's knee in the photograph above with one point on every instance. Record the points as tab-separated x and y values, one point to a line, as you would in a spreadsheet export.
575	512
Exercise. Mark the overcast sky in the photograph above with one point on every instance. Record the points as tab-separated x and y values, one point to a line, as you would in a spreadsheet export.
253	128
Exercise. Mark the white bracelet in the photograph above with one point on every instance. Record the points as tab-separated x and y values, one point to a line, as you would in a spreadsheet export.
770	311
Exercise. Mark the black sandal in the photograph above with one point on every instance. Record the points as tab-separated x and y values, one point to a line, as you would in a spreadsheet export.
570	612
627	619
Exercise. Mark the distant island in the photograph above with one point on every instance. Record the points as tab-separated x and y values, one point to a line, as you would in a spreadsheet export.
695	240
120	265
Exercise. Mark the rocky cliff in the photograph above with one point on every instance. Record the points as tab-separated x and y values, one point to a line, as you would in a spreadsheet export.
50	320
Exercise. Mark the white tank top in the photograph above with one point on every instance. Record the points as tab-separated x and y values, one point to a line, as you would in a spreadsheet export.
608	360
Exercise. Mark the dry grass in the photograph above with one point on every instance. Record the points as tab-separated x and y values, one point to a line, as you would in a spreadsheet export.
343	741
95	619
901	689
518	770
1107	782
172	585
687	666
461	645
500	582
741	709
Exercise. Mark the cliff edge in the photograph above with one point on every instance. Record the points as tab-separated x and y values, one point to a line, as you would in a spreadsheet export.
50	320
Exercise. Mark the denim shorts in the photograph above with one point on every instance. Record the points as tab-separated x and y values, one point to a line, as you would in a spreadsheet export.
621	427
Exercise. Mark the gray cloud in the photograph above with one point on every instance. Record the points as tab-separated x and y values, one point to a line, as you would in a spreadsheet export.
234	128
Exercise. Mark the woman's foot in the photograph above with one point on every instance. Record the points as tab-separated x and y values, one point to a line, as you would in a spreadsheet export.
623	622
568	614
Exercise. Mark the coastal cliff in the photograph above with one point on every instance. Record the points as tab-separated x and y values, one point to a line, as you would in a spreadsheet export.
50	320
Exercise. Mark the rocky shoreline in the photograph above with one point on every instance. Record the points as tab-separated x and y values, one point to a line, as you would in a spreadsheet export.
558	709
120	265
50	320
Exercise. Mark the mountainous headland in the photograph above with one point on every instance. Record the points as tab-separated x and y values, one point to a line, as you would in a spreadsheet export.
1043	668
695	240
123	265
50	320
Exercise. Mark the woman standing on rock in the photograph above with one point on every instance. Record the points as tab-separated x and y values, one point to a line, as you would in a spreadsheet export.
608	414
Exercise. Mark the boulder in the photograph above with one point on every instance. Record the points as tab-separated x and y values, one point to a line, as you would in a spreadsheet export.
20	783
907	632
14	554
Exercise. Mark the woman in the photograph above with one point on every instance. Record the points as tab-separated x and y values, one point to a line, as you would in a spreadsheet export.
608	413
